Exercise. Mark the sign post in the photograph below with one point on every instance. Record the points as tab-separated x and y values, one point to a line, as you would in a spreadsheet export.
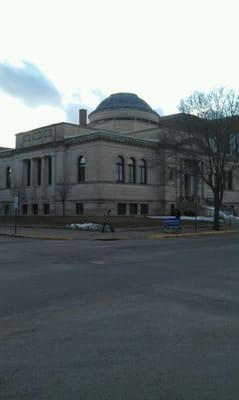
16	205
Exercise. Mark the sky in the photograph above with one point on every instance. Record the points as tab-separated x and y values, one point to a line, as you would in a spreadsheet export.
58	56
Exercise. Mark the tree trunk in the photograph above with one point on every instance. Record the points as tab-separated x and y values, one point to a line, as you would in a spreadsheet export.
217	204
63	208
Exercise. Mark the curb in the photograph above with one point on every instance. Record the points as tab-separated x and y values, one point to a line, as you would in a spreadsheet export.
173	236
110	239
41	237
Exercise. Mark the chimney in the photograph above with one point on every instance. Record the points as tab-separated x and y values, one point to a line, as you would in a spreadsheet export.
82	118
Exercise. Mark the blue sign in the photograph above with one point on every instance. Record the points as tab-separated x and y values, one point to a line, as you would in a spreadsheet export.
172	223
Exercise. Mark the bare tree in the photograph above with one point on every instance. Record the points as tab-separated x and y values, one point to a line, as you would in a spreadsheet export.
63	191
211	139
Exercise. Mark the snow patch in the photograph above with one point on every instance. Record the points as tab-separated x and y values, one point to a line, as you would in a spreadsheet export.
184	218
86	227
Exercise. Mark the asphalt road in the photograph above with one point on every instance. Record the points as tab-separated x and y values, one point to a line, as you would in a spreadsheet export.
119	320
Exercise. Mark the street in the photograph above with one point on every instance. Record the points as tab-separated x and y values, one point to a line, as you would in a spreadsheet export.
124	319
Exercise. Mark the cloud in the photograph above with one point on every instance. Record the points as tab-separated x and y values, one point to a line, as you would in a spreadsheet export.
29	84
160	111
86	99
98	94
72	113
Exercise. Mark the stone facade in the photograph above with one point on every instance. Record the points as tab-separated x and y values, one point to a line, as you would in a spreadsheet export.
114	161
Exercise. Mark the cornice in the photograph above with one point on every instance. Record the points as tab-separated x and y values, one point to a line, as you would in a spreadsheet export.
110	137
89	137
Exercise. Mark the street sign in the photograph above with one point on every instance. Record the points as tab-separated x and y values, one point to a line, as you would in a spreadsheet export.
172	224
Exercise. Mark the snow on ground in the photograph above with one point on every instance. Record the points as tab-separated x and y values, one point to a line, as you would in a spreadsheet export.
184	218
224	217
86	227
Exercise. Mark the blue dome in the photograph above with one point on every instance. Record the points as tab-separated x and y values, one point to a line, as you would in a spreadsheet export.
123	100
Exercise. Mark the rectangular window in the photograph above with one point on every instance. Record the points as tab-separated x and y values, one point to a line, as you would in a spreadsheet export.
81	170
38	171
49	171
35	209
46	208
144	209
28	172
79	208
8	177
233	144
121	209
230	181
24	209
133	209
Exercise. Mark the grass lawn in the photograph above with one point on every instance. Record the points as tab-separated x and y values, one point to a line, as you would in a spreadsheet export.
118	222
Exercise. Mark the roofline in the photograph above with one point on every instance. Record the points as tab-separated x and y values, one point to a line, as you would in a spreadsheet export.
46	126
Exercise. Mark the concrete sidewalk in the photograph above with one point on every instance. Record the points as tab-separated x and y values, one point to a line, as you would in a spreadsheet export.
120	234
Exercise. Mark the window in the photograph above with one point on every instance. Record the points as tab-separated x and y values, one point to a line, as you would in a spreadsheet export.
49	170
81	169
170	175
120	169
144	209
28	172
9	177
35	209
46	208
79	208
233	144
24	209
131	171
187	186
133	209
229	181
38	171
143	172
121	209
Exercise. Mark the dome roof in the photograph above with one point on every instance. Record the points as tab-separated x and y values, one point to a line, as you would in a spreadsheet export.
123	112
123	100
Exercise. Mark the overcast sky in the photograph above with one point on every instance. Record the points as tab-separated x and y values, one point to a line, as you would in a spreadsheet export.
57	56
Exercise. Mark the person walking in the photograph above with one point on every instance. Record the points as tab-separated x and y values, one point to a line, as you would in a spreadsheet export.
177	214
107	221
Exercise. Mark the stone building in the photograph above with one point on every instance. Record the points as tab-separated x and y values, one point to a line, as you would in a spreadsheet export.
112	159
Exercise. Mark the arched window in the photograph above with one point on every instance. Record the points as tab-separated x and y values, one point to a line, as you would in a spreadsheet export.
143	171
120	169
81	169
8	177
131	170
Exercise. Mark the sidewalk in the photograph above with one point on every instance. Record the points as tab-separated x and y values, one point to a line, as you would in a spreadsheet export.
120	234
